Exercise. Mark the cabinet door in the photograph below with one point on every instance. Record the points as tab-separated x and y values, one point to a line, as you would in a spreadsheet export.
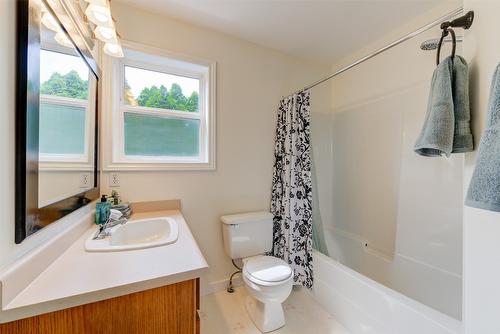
169	309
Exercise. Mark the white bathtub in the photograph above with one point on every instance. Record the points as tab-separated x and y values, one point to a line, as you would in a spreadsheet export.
425	283
366	307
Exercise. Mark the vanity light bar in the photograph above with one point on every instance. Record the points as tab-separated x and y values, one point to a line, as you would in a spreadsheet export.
99	13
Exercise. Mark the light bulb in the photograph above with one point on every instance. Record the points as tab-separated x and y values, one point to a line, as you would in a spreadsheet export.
50	22
99	15
62	39
98	2
114	50
106	34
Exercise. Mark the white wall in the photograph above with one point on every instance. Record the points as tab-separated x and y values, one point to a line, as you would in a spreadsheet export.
56	185
407	208
250	81
481	227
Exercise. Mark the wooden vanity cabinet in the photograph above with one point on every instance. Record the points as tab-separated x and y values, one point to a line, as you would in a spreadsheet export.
170	309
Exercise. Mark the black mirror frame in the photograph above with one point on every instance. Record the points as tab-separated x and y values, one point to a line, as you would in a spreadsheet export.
27	131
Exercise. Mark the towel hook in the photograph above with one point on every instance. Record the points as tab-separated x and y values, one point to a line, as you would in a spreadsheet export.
445	33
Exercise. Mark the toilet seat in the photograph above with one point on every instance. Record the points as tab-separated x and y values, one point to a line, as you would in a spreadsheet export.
267	270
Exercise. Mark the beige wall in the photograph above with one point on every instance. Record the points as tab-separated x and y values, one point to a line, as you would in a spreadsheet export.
56	185
250	81
481	227
7	103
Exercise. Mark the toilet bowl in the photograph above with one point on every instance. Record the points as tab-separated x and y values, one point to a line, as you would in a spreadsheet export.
269	282
268	279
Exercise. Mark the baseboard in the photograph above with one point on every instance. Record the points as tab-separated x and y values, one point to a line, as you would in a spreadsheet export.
216	286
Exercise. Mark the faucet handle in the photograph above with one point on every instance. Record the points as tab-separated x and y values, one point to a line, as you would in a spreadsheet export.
115	214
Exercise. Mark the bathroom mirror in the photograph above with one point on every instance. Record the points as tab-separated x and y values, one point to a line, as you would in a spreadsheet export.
56	116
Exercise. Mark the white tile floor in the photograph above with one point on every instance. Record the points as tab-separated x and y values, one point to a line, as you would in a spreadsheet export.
224	313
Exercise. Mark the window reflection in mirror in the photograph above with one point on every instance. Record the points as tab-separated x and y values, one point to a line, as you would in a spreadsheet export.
66	118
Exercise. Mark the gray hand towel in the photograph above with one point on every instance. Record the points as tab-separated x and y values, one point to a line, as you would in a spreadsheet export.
484	188
436	138
462	137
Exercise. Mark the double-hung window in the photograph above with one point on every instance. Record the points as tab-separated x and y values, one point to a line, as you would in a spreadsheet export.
163	111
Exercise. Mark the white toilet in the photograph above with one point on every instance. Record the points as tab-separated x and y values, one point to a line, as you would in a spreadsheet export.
268	279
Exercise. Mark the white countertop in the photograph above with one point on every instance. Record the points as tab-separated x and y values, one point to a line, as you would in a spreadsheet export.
78	277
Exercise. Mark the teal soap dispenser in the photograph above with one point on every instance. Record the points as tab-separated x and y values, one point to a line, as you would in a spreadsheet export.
102	210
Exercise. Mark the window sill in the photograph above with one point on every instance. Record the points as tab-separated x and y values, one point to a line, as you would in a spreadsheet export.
65	167
159	167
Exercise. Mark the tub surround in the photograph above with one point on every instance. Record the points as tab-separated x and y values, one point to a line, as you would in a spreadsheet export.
78	277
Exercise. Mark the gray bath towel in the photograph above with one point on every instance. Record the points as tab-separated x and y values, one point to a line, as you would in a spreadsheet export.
484	188
462	137
436	138
447	124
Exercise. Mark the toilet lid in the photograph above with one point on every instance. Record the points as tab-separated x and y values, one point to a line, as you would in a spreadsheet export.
268	269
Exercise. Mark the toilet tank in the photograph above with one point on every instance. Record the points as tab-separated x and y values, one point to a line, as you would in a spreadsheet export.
247	234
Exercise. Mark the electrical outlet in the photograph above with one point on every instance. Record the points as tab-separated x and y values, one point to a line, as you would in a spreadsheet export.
114	180
84	180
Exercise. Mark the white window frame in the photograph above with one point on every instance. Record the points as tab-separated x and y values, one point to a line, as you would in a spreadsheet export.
67	162
153	59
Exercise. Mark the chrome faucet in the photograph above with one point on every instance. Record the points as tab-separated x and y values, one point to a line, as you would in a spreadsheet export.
115	218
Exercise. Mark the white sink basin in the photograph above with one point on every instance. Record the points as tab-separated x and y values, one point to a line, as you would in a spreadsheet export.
136	234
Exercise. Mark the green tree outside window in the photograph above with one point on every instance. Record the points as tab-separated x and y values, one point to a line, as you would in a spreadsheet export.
71	85
161	97
67	85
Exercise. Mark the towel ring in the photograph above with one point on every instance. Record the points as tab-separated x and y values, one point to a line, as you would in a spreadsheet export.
454	40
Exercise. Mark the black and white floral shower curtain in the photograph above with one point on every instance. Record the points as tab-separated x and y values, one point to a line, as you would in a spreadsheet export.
291	199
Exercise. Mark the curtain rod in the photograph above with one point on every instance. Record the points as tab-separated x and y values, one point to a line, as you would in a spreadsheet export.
422	29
